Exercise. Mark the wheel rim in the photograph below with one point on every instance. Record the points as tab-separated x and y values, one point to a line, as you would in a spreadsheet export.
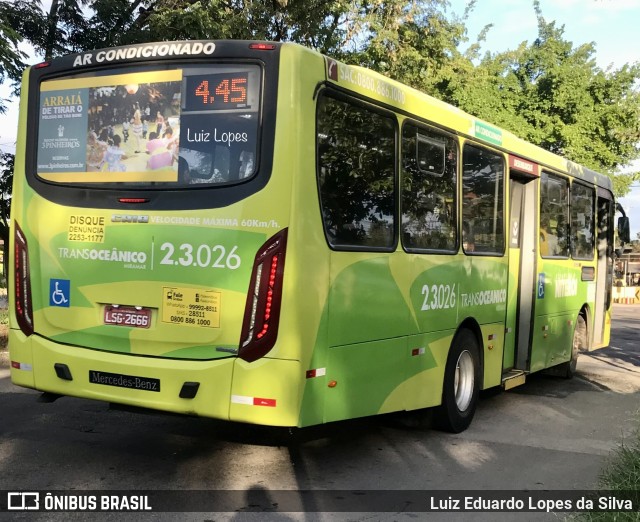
463	381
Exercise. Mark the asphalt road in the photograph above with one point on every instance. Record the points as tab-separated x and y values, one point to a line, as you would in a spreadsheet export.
549	434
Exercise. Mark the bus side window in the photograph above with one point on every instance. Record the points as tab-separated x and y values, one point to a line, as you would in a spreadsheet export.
429	167
554	216
483	201
356	174
582	221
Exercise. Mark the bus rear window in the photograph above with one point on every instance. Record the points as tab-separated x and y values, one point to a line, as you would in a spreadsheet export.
155	128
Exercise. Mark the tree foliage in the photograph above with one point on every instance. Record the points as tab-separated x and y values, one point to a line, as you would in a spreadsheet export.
553	94
11	57
320	24
6	181
51	33
412	42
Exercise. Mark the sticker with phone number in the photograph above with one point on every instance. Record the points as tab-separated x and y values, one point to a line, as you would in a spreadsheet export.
191	307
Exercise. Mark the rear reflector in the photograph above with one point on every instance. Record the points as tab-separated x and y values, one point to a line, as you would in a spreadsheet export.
318	372
253	401
21	366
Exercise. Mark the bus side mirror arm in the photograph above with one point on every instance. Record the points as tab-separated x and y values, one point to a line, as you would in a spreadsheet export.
624	233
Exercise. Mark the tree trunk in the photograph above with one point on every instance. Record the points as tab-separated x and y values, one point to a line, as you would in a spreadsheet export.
52	25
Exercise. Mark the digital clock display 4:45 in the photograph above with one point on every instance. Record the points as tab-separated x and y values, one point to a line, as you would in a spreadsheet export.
211	92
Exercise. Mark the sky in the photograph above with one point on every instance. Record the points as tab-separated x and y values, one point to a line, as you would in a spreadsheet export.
611	24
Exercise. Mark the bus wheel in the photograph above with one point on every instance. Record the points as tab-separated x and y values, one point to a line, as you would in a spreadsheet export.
461	384
568	369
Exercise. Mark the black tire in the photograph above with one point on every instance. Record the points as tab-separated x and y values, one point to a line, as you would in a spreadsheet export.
579	343
461	384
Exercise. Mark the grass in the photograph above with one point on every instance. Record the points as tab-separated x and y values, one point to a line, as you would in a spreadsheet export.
622	474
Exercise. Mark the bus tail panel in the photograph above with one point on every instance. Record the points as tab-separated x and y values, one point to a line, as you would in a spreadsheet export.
136	381
143	283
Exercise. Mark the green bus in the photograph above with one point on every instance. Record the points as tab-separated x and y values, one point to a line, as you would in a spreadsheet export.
256	232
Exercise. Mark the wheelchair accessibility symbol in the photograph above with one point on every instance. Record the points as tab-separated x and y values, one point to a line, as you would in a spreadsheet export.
541	286
59	292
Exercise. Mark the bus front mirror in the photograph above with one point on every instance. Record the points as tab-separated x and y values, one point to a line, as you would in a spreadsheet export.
624	233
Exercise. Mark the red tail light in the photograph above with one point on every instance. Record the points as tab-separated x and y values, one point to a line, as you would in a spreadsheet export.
133	200
24	308
262	311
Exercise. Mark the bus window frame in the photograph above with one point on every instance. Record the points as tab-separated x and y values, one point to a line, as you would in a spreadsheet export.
367	104
594	198
418	124
567	179
604	193
163	197
505	182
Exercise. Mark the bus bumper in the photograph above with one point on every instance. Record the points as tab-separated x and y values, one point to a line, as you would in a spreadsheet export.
263	392
145	382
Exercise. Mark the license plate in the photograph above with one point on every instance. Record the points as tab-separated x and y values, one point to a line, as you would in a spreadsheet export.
127	316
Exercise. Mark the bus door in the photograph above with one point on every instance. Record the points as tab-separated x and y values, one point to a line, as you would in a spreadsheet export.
604	277
522	268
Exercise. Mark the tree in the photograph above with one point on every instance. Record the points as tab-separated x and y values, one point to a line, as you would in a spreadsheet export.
6	180
11	58
549	92
53	33
553	94
321	24
412	42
